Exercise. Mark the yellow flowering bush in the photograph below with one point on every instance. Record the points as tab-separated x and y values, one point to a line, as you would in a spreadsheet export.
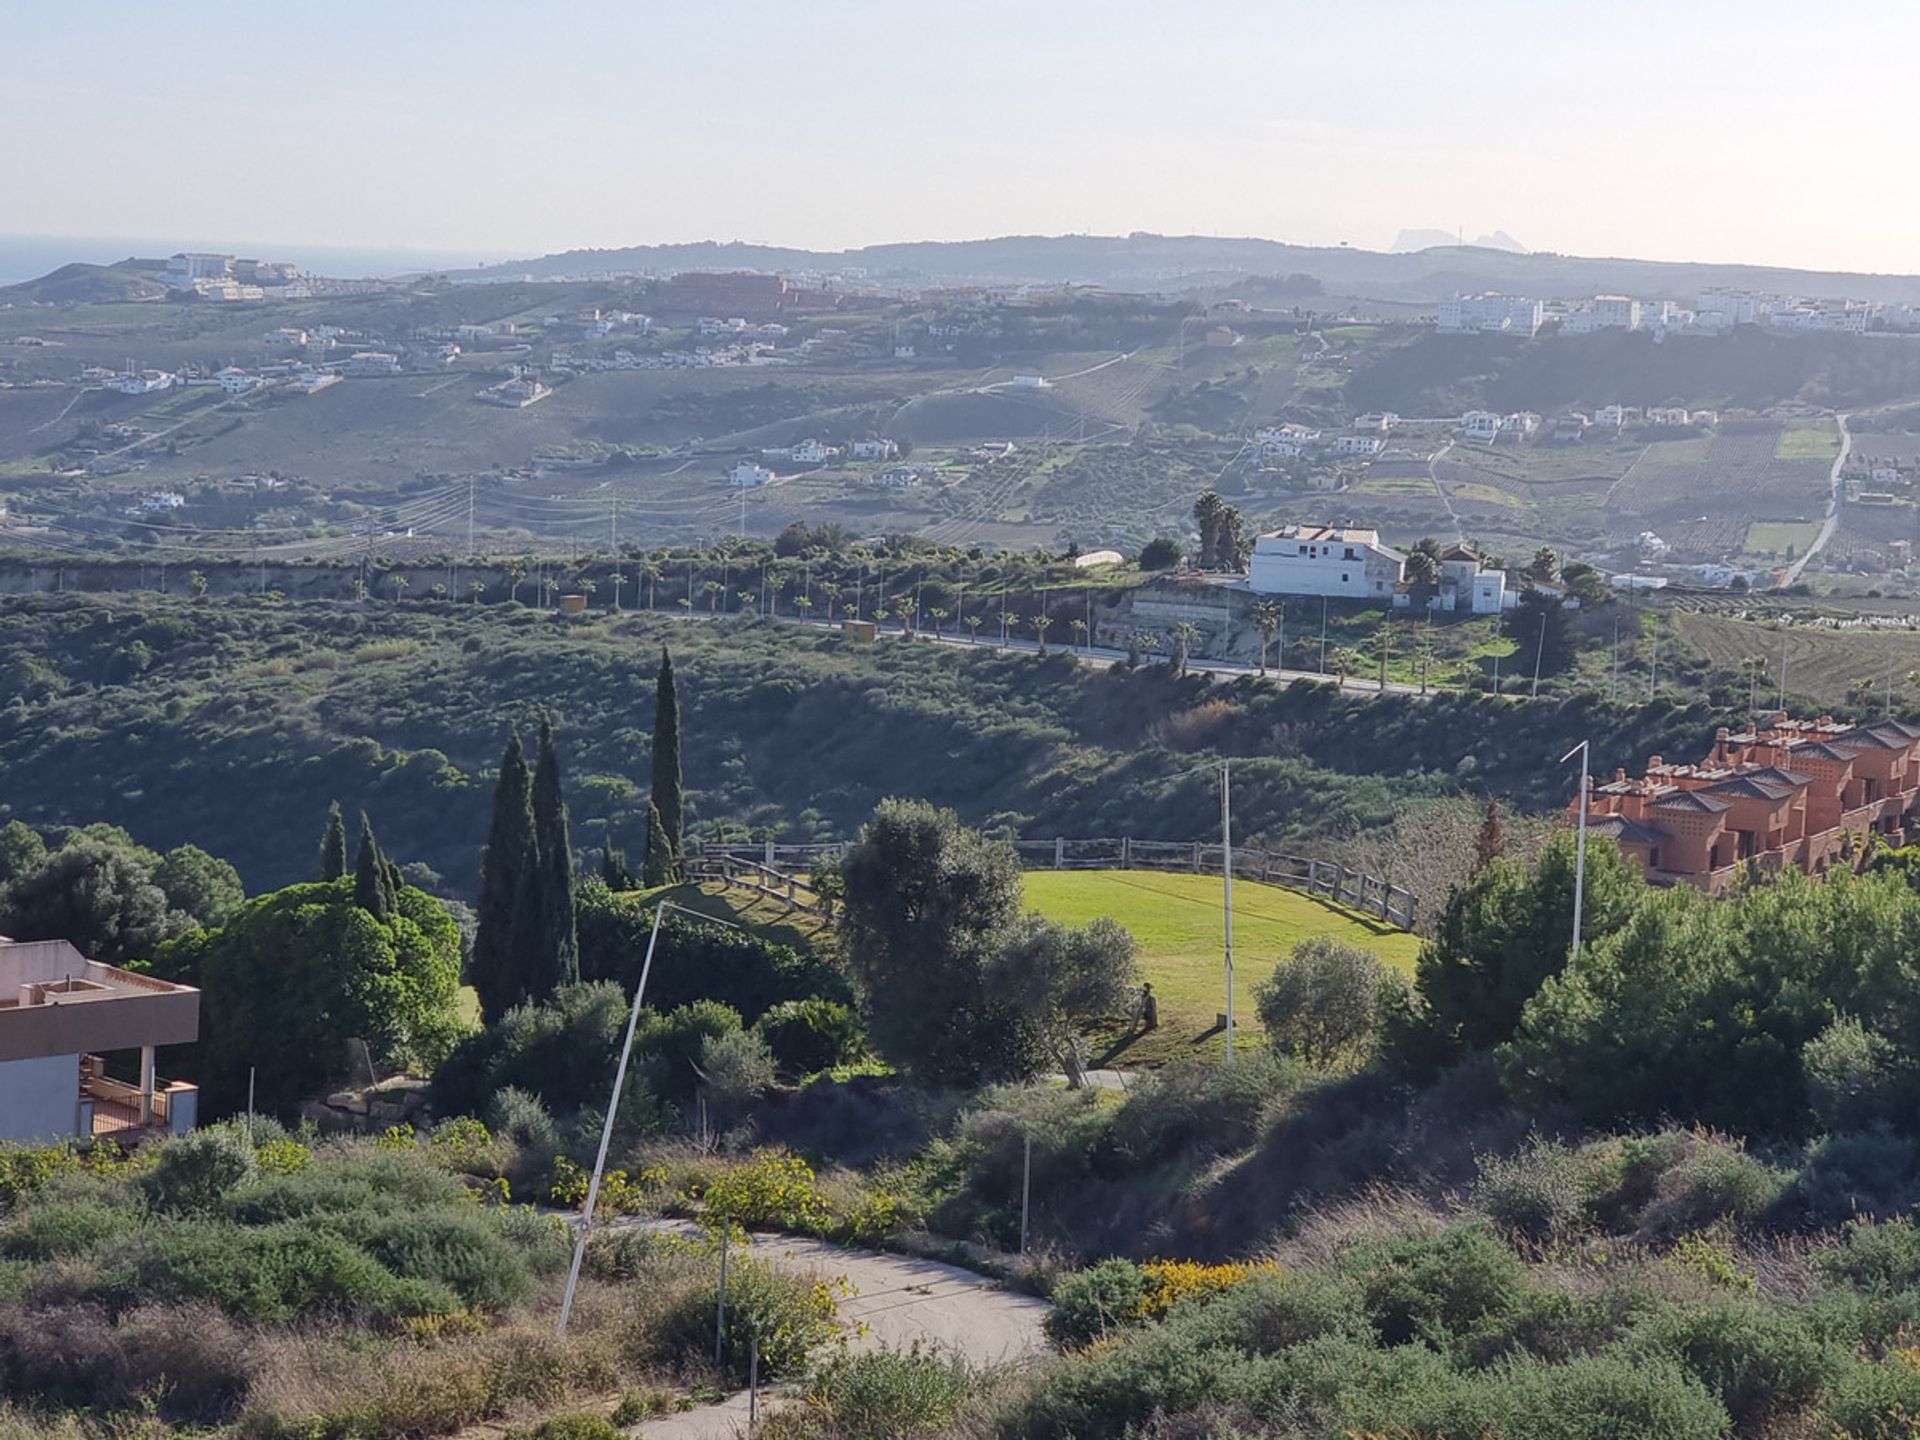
1171	1281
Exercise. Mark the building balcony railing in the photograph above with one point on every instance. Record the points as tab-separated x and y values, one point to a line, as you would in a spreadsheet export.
114	1107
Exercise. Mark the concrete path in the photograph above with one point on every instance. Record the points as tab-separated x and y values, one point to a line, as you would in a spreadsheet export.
898	1299
1837	490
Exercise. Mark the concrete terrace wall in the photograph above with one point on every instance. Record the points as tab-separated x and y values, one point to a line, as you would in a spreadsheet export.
296	582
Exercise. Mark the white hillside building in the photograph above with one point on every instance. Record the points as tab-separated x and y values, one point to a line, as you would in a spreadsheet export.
1332	560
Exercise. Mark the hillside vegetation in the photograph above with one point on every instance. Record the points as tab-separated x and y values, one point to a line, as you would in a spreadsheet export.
234	723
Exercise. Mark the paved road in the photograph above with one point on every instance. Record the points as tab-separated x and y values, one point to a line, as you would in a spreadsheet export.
1835	490
898	1298
1105	657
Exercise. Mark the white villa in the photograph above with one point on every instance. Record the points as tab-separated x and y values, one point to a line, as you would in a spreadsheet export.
1330	560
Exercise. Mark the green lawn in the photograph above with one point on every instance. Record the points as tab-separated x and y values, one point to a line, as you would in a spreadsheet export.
1179	922
1818	440
1775	537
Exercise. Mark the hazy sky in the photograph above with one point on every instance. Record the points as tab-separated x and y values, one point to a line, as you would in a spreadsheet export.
1765	131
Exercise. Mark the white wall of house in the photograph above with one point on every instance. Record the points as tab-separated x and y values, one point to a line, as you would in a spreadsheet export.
39	1098
1286	566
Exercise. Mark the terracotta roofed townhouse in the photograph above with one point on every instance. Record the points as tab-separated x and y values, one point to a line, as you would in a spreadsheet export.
1781	793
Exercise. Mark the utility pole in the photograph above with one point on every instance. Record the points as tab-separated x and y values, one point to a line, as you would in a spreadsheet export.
1226	870
613	526
1653	668
585	1224
1580	846
1323	634
470	483
1539	650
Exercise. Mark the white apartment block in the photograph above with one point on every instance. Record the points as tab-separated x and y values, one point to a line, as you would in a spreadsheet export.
1357	444
1334	561
1490	313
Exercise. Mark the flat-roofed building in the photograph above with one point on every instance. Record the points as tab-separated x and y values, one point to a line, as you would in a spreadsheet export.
61	1014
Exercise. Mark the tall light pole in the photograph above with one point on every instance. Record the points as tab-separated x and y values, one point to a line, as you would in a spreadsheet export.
1580	845
1226	869
613	1104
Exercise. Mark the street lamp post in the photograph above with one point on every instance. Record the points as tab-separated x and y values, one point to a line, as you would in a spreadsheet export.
1580	845
613	1104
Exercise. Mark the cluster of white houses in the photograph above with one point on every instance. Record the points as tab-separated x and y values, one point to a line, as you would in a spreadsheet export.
1715	311
1345	562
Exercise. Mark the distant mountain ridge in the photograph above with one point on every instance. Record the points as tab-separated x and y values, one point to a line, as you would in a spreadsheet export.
1143	261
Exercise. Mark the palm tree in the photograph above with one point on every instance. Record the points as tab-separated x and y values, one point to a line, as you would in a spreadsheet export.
804	605
1344	660
1266	619
1756	666
1040	623
1007	619
973	629
516	572
1185	636
399	584
650	572
197	584
552	587
832	592
939	613
713	589
439	590
1079	628
1423	655
1147	640
476	588
747	599
619	583
1206	515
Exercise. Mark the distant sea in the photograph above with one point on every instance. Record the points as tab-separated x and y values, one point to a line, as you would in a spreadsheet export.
28	257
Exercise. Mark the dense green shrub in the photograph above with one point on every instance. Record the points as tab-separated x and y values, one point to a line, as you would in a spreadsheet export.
1438	1288
1096	1301
808	1036
462	1250
195	1171
884	1394
1203	1109
1757	1357
1540	1191
270	1273
1876	1402
693	961
52	1229
789	1315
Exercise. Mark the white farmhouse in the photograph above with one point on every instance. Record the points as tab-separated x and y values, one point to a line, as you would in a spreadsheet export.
875	449
1357	444
747	475
1331	560
141	382
1481	425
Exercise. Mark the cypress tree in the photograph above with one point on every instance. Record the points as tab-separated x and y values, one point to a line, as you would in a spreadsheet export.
511	852
666	762
657	869
1491	843
372	885
557	961
333	845
613	869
